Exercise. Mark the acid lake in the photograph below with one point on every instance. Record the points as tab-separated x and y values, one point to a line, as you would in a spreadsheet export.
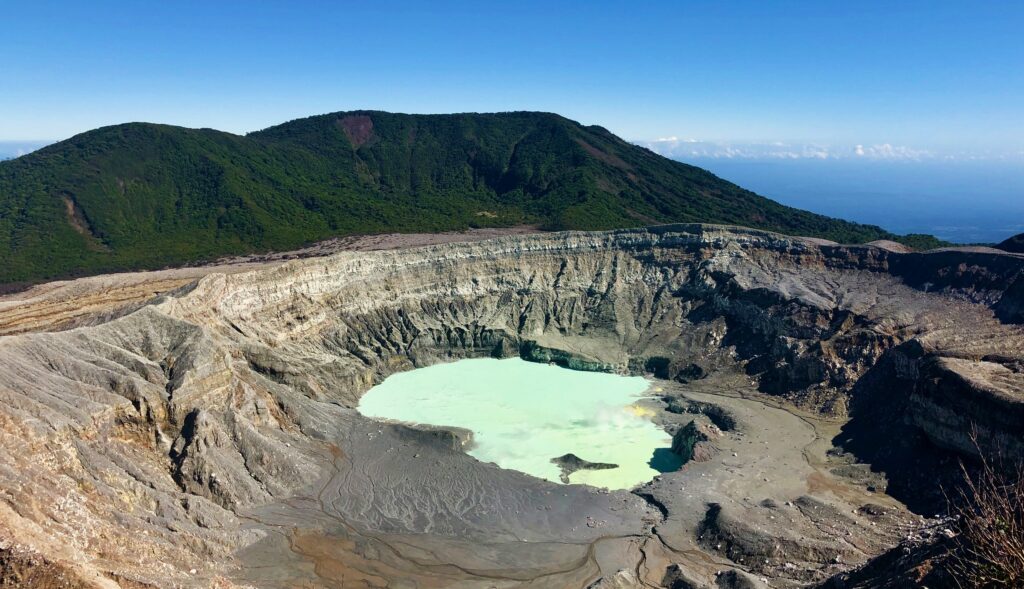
524	414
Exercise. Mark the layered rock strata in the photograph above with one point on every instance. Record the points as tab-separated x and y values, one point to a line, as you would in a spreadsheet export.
208	436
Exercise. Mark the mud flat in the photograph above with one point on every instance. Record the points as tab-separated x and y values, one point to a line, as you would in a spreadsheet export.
208	435
763	495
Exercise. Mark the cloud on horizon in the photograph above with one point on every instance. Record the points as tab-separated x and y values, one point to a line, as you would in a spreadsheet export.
677	148
13	149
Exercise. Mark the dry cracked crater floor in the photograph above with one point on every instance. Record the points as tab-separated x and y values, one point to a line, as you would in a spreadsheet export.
197	427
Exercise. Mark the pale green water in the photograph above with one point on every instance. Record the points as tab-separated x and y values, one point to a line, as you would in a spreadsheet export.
523	414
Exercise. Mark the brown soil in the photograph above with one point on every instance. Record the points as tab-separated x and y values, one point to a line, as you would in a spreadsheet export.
80	224
607	158
358	129
26	570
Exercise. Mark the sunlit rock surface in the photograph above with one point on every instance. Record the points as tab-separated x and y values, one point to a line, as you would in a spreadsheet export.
208	435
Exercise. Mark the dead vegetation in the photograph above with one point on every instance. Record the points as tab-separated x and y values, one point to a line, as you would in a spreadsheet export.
988	550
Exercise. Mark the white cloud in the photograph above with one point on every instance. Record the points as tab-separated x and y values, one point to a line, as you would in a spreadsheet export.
675	147
887	151
690	148
12	149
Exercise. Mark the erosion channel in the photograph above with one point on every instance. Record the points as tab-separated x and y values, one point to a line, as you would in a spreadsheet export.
211	435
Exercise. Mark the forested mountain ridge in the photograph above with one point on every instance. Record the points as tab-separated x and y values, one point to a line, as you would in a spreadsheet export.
143	195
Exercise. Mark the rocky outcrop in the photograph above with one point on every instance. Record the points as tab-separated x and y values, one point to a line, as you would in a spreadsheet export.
622	579
1010	307
1013	244
690	441
677	577
570	463
195	429
721	418
970	406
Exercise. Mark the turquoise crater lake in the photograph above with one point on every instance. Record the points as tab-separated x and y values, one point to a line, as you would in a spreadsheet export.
524	414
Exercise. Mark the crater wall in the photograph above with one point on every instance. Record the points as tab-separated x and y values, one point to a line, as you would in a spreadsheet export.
180	418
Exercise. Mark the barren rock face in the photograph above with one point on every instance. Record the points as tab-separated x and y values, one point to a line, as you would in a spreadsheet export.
208	438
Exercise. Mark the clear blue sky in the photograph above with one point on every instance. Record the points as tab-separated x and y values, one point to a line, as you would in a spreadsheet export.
941	75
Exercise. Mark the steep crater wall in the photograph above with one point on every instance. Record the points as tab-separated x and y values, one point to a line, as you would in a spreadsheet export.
806	321
206	402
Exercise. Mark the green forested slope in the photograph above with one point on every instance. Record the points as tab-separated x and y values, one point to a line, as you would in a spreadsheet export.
144	195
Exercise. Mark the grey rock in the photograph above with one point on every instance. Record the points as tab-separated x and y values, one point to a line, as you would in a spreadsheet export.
213	427
570	463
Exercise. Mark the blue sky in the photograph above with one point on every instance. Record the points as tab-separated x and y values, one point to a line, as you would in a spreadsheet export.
943	79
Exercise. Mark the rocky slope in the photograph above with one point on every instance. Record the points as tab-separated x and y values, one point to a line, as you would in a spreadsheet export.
207	436
1013	244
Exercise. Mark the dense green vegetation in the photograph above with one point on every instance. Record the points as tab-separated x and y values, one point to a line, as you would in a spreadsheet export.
145	195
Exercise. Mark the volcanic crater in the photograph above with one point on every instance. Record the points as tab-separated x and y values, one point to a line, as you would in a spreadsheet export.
209	435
